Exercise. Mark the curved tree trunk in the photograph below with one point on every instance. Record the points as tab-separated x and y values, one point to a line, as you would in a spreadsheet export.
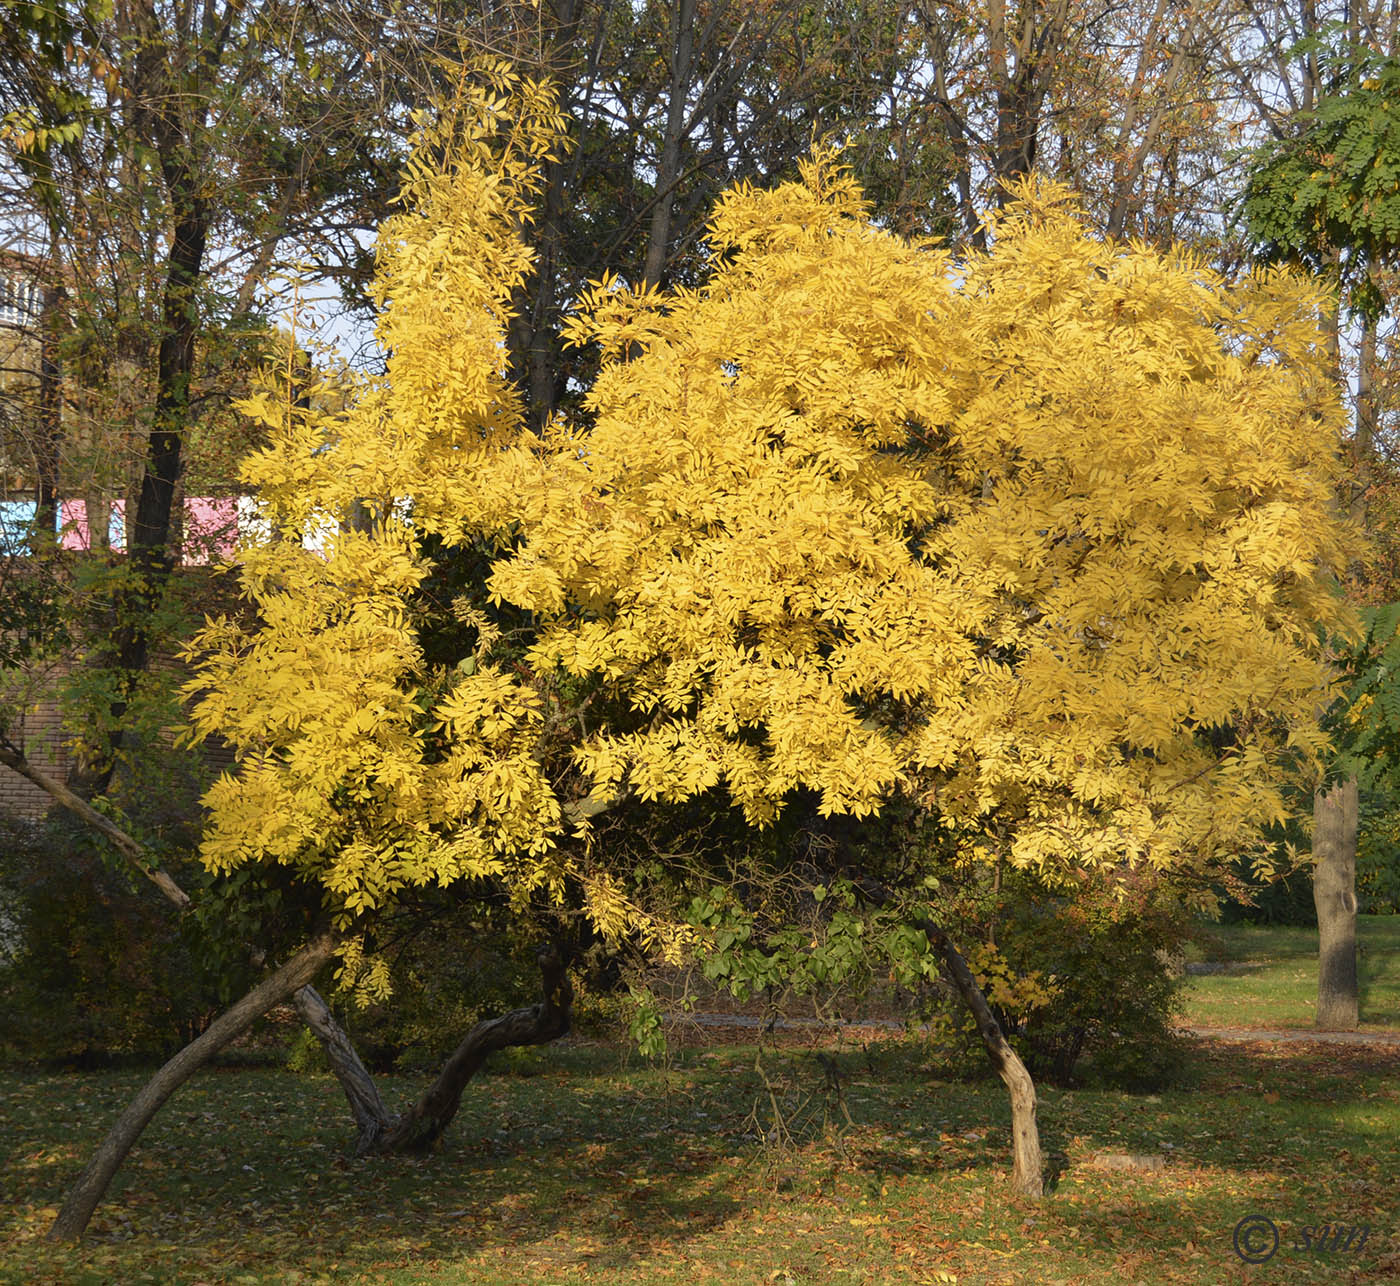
1335	814
92	1184
137	854
1027	1176
423	1123
418	1128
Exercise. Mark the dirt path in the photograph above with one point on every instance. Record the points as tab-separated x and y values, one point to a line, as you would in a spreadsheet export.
1296	1035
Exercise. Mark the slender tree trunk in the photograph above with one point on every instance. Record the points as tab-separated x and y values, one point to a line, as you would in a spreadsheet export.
533	331
1365	392
150	529
134	852
1335	813
50	429
1021	60
365	1104
1027	1178
669	165
92	1184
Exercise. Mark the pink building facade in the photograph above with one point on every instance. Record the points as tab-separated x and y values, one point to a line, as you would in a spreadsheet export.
211	526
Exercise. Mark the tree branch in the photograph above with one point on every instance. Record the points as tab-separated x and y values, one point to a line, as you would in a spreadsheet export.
134	851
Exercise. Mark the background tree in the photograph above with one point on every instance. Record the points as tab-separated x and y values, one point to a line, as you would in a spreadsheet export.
1328	196
171	162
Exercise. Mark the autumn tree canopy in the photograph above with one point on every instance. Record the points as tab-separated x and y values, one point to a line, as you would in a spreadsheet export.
1042	534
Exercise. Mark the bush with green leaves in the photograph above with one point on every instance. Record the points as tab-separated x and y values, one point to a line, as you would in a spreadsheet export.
1378	855
92	968
1084	983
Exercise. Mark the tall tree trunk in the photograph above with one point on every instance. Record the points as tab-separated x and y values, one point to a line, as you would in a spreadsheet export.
172	122
1021	62
533	331
50	427
1335	815
92	1184
669	164
1364	443
151	531
1027	1177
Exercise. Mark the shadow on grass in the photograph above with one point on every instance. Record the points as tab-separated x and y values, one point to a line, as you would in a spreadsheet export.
593	1167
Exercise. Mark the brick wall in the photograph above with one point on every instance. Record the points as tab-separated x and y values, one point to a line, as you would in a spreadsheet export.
38	734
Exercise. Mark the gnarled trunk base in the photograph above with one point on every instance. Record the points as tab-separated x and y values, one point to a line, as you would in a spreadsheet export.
423	1123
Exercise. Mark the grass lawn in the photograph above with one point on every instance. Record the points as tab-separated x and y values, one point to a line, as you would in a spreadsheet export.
590	1169
1271	978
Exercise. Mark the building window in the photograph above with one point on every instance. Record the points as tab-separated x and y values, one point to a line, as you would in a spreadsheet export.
20	301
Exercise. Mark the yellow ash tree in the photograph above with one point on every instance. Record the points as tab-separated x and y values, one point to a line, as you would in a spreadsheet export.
1041	536
1045	530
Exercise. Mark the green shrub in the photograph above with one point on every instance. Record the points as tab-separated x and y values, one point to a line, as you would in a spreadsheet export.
1378	857
1086	978
1284	901
91	968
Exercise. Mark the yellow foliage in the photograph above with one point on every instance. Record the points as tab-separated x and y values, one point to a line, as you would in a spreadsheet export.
1045	530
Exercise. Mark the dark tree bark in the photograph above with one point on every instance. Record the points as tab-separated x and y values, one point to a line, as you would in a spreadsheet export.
49	437
1027	1177
533	336
92	1184
1022	56
173	124
365	1104
668	171
423	1123
151	556
1364	445
1335	813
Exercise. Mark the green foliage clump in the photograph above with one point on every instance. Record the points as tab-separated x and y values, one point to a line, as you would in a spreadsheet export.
1378	856
91	968
1328	194
1287	900
1075	978
1285	894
